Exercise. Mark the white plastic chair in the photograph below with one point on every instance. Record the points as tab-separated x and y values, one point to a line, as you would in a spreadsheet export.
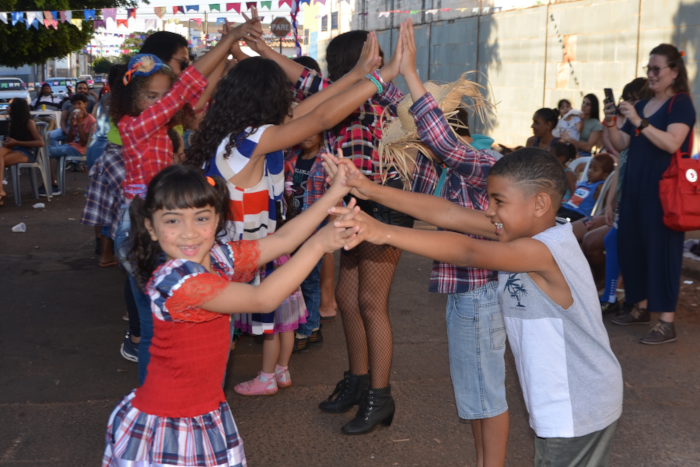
577	162
65	159
40	163
602	197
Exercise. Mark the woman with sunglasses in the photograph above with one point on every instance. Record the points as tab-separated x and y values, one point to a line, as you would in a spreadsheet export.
650	253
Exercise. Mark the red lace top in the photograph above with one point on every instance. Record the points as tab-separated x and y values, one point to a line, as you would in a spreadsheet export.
190	346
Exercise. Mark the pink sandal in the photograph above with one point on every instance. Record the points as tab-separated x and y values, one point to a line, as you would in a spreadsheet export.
256	387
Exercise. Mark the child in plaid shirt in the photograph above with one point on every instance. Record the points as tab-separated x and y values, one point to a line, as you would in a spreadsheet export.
475	330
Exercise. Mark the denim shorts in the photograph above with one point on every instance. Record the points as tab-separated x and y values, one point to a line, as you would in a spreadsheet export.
29	152
476	339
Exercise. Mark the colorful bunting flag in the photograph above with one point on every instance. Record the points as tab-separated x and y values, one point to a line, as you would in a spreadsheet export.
159	11
3	17
235	6
266	4
285	2
197	20
109	13
177	9
100	23
51	22
220	21
322	2
151	24
215	6
131	13
249	5
17	17
67	16
89	14
308	2
123	22
431	12
384	14
192	7
47	15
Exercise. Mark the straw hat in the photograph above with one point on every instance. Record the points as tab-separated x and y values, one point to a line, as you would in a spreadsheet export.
400	138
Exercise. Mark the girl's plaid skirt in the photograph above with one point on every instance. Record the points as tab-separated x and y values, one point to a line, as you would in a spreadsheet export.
137	439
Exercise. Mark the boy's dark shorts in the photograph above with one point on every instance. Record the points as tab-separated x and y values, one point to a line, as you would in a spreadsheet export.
591	450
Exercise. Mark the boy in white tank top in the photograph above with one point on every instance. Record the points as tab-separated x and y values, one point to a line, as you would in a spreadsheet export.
571	380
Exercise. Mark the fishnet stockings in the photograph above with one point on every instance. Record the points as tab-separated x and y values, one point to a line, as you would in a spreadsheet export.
366	273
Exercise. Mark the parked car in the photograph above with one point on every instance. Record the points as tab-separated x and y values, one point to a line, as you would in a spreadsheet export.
101	78
90	80
12	88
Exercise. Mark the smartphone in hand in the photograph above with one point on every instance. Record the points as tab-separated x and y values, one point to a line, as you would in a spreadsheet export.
610	99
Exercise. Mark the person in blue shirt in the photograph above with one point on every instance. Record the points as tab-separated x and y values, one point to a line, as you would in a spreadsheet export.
581	203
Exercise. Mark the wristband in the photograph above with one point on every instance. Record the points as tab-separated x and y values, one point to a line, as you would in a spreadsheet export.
380	88
614	119
378	75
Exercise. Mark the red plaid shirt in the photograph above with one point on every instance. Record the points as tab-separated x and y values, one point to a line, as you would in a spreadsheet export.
147	148
358	135
465	185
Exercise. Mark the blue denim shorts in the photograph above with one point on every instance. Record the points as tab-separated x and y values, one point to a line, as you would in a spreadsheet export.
476	339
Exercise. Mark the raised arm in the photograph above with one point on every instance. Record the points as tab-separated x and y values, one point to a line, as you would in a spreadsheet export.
325	116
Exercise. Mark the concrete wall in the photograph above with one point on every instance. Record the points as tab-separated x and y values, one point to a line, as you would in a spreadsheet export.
532	57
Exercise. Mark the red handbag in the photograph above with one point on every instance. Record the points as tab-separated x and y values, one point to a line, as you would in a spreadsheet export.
679	189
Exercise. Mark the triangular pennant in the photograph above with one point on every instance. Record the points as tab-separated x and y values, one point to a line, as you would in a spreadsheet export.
17	17
89	14
100	23
3	17
322	2
267	4
198	21
215	6
47	15
192	7
220	21
308	2
66	16
34	24
123	22
235	6
151	24
384	14
131	13
285	2
109	13
159	11
249	5
51	22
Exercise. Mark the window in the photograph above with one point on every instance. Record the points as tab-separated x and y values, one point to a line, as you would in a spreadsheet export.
334	20
306	37
324	23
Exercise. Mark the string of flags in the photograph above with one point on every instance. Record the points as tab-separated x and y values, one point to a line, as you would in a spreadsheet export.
434	11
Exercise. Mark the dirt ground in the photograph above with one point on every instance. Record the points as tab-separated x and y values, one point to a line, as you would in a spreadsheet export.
61	373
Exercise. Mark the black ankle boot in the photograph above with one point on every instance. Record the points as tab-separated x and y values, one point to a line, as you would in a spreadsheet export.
347	394
376	407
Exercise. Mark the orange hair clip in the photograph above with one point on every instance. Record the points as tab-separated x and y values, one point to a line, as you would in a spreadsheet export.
682	53
211	181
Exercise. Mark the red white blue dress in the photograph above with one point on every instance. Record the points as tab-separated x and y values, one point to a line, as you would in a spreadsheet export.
180	417
254	217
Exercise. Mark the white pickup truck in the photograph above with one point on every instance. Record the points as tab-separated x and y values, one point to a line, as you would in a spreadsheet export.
12	88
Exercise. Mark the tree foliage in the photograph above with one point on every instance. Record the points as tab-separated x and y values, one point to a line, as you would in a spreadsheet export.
133	43
101	65
21	46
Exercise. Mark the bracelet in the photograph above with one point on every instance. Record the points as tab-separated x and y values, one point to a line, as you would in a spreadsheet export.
614	119
378	75
380	88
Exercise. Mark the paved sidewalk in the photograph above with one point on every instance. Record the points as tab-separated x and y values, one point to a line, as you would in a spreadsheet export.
61	373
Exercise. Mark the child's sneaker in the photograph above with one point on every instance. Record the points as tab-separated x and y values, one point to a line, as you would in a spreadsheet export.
129	350
284	379
264	385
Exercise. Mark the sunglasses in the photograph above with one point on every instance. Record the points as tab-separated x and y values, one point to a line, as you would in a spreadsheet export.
183	63
654	70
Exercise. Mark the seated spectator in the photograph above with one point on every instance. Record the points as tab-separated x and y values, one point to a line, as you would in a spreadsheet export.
23	137
60	134
582	201
566	152
78	132
591	129
47	99
543	123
